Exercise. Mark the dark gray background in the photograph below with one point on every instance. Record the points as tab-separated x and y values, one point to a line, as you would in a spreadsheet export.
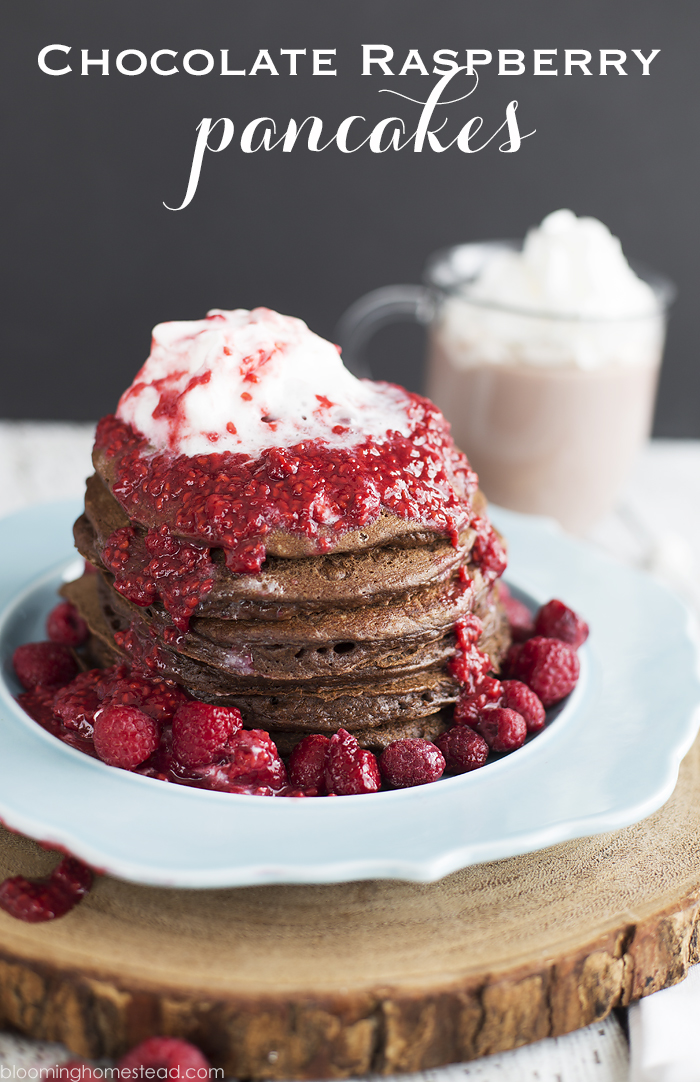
91	258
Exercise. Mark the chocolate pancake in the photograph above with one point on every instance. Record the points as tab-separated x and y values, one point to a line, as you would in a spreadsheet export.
387	528
326	646
285	587
288	683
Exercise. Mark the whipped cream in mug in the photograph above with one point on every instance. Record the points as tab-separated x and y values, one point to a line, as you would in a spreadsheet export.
571	272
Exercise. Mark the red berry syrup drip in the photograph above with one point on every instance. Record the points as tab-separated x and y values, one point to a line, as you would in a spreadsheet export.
470	665
488	553
159	567
36	900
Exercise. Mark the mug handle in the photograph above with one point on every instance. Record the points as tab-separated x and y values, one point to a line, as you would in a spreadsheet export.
390	304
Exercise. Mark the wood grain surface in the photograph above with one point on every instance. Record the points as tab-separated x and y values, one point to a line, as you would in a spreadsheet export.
339	980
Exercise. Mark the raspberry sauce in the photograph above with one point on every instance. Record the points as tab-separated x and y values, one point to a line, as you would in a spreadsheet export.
312	490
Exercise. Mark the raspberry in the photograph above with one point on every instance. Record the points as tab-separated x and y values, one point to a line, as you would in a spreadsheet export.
39	705
349	769
411	762
30	901
76	704
256	760
502	729
469	706
307	763
50	664
34	900
201	732
124	736
65	625
463	749
519	617
157	698
169	1055
252	761
519	697
512	656
549	667
555	620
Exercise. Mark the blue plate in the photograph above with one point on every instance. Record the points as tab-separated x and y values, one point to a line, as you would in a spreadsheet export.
609	759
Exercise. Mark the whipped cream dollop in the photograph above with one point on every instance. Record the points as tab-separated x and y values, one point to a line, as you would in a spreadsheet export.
244	381
568	297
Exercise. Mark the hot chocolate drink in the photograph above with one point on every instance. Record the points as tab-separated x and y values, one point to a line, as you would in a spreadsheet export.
546	366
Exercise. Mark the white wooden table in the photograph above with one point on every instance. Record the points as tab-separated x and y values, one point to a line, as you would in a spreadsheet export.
657	525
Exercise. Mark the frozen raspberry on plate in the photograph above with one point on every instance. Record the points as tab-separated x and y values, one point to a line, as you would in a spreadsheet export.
124	736
549	667
522	625
38	704
202	731
411	762
50	664
349	769
502	729
157	698
555	620
512	658
519	697
171	1056
463	749
469	706
307	763
64	624
77	703
256	760
251	762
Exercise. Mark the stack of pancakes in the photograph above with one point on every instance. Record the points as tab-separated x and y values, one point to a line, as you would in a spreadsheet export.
358	638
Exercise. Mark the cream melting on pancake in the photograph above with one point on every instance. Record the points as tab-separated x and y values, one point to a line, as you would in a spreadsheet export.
243	381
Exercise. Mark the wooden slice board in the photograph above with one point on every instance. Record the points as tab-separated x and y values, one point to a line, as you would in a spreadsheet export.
339	980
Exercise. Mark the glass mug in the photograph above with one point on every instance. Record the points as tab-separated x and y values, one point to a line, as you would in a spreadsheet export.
549	409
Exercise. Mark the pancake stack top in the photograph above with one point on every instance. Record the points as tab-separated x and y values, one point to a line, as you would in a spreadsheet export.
276	535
